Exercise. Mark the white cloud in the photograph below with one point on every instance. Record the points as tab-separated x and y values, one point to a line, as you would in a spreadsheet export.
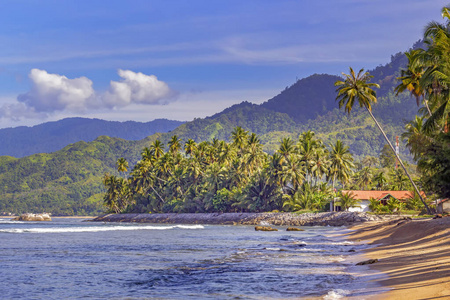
53	92
137	88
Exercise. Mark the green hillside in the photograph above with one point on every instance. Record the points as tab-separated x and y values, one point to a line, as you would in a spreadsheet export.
69	181
52	136
66	182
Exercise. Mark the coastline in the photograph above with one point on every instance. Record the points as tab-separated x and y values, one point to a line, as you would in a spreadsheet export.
276	219
413	255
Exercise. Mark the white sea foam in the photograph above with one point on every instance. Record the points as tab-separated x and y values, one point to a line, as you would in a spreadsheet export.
97	228
273	249
3	221
335	294
343	243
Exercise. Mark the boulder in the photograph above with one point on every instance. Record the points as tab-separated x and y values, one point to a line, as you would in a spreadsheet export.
265	228
33	217
294	229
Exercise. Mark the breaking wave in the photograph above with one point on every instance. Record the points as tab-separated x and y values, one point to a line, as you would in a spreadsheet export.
97	229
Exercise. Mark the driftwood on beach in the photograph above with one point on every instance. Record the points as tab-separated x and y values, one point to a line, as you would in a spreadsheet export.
280	219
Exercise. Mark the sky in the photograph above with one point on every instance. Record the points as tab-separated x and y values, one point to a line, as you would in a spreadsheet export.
180	60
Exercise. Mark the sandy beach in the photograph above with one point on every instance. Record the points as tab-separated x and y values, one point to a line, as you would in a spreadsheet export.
414	255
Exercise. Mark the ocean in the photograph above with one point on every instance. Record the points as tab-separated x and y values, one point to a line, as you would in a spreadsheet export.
72	259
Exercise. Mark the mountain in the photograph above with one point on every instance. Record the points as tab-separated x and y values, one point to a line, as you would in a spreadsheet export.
307	99
52	136
69	181
65	182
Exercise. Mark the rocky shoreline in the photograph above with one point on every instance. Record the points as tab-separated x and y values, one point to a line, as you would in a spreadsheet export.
277	219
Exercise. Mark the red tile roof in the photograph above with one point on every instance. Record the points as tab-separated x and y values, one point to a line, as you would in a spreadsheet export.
366	195
442	200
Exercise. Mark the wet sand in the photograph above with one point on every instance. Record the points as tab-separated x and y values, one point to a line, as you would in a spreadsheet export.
414	255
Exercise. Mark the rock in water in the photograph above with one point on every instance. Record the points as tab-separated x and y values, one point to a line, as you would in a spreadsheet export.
294	229
367	262
265	228
33	217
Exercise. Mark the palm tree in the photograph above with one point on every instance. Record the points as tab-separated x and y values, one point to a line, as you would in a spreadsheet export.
364	177
122	165
341	163
410	78
239	137
347	200
380	178
436	62
417	139
190	147
286	147
357	88
174	144
157	148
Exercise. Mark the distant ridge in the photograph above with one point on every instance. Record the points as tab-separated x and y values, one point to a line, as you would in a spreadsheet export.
52	136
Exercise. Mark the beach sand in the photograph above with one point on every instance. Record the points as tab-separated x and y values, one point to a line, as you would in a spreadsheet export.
414	255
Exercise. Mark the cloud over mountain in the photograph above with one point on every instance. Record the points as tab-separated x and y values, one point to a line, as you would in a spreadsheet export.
137	88
51	93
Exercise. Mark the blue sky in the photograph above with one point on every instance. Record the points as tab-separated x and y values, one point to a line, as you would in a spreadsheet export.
141	60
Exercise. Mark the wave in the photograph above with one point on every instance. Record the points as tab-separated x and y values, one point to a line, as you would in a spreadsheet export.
97	229
336	294
9	222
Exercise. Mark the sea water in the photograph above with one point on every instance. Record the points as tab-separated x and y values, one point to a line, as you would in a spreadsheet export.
71	259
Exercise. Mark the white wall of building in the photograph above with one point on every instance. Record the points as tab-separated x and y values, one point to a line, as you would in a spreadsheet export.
364	206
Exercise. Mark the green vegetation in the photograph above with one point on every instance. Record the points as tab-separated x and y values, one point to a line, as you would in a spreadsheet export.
427	77
66	182
233	176
276	168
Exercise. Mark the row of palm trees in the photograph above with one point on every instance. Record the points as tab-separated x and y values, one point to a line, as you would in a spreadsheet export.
219	176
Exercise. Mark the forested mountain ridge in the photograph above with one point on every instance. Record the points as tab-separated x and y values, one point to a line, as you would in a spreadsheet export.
52	136
65	182
69	181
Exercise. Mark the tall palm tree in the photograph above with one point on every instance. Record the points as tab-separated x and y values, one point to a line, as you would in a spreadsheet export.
190	147
436	77
157	148
364	177
174	144
380	179
122	165
239	137
341	163
357	88
417	139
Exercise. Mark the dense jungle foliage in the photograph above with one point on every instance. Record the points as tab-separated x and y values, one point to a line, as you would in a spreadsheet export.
238	176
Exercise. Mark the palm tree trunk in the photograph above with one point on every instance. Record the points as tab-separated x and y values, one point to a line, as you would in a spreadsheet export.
426	105
334	194
400	161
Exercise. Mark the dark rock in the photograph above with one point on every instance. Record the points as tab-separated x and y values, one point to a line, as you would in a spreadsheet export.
294	229
265	228
367	262
352	250
438	216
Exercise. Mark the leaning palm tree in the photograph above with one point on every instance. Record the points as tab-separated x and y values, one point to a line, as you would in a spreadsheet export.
357	88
